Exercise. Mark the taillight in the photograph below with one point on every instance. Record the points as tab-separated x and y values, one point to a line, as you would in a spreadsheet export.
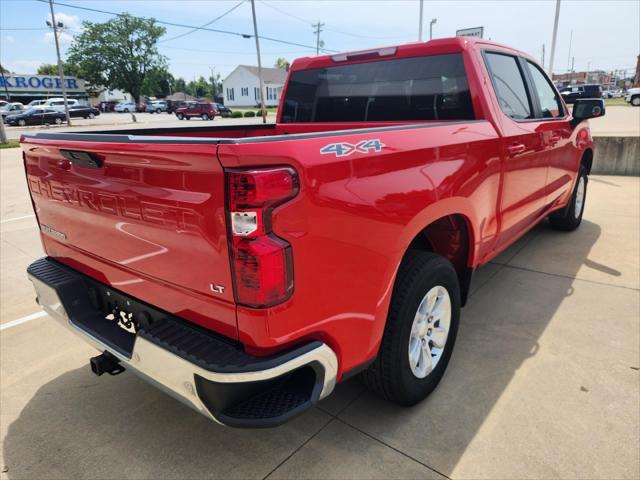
262	262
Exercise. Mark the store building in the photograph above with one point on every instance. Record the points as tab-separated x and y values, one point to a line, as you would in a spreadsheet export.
25	88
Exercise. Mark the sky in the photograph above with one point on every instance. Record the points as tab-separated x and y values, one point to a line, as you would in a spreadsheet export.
604	34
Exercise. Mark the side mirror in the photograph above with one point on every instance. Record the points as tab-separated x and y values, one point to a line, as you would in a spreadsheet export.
586	108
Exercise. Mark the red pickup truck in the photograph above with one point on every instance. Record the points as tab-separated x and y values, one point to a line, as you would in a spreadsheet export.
247	269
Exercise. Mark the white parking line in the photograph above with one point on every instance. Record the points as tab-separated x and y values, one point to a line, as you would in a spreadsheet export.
22	320
17	218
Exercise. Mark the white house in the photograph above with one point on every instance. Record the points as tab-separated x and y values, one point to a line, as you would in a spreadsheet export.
241	88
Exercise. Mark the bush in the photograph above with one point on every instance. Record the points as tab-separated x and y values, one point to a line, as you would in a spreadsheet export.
236	114
225	114
249	114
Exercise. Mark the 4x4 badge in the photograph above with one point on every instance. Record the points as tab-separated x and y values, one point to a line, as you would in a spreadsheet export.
344	149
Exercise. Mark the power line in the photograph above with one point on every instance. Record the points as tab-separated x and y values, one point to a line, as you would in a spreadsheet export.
25	28
234	52
182	25
205	25
309	22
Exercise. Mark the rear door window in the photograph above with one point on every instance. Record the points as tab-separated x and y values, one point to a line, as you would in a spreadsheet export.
419	88
549	100
508	83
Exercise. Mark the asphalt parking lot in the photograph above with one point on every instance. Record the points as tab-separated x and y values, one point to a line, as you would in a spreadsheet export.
543	383
618	121
113	121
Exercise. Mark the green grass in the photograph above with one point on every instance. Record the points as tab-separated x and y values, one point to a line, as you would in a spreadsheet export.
10	144
616	102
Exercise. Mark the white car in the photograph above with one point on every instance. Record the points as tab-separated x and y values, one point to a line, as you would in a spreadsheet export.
36	103
58	103
125	107
633	97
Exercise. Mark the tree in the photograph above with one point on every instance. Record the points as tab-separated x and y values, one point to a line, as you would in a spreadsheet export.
118	54
52	70
199	88
282	63
158	83
180	85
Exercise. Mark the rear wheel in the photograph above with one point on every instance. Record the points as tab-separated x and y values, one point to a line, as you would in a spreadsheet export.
420	332
180	116
569	218
635	101
92	116
22	123
58	120
205	116
158	110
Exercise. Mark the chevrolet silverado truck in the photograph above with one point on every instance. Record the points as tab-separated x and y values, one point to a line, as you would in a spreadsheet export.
247	269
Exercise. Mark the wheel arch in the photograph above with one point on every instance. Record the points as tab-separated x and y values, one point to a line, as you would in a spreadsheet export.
446	228
587	159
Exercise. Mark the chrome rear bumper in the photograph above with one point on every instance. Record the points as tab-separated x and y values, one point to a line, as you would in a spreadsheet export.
195	384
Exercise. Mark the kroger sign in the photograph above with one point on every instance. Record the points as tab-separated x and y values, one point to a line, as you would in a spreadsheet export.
39	83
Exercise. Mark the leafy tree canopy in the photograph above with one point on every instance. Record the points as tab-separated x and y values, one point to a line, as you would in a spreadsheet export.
282	63
119	53
52	70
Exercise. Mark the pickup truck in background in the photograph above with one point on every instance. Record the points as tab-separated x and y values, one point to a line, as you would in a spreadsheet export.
247	269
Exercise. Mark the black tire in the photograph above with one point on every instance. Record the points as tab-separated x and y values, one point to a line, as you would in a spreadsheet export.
180	116
22	122
567	219
205	116
390	375
635	101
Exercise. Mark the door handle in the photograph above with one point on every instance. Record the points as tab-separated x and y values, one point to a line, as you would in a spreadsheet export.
516	148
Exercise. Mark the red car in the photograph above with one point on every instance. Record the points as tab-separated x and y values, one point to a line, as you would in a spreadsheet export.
206	111
247	269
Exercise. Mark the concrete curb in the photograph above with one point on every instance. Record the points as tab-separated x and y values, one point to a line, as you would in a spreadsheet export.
616	156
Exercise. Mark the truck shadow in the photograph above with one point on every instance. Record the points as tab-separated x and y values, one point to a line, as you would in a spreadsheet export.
80	426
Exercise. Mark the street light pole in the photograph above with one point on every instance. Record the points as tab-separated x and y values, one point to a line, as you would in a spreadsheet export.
255	33
553	40
420	21
54	25
433	20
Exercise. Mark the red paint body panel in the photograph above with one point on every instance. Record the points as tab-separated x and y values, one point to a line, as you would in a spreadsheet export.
159	227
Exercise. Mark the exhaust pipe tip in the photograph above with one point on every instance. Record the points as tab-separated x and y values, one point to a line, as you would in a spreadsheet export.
105	363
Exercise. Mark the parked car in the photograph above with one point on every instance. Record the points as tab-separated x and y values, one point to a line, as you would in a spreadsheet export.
574	92
633	97
247	269
125	107
3	103
222	109
84	111
206	111
173	105
36	116
58	103
141	107
12	108
156	106
35	103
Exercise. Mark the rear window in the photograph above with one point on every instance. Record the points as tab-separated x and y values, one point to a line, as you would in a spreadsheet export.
420	88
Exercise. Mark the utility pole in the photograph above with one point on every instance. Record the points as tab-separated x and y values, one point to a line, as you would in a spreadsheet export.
255	34
543	56
318	28
433	20
553	40
570	40
55	26
420	21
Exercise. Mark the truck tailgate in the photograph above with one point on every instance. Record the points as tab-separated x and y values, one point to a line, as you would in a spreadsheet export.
150	212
